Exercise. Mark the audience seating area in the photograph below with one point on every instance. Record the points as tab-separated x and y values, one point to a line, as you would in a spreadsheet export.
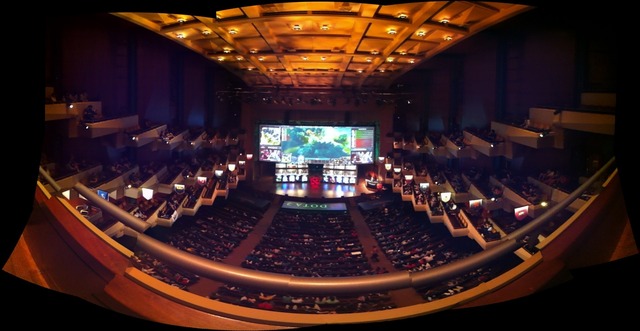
310	244
299	303
324	244
411	242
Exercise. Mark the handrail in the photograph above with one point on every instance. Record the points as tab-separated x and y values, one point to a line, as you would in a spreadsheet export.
110	208
49	180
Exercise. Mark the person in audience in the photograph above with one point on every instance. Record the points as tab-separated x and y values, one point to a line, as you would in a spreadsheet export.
332	300
265	305
286	299
374	254
485	214
265	297
89	114
73	165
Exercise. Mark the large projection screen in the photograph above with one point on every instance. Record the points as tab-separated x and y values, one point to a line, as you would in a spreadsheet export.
316	144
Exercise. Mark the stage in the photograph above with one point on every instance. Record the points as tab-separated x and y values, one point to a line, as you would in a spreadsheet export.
307	190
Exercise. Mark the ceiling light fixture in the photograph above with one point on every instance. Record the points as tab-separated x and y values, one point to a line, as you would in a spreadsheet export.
297	27
421	33
233	31
220	58
324	27
375	52
368	59
402	16
206	32
226	50
392	31
180	35
444	21
412	61
261	58
403	52
253	51
390	59
181	20
448	38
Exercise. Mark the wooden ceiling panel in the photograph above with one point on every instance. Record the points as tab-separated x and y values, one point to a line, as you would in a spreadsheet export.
337	39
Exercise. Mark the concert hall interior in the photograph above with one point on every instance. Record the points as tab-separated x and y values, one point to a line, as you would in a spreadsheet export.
288	165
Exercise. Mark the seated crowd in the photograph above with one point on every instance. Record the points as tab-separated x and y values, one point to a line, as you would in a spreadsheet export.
411	242
214	232
176	276
310	244
300	303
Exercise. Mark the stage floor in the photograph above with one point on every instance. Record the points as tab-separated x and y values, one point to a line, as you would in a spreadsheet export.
306	190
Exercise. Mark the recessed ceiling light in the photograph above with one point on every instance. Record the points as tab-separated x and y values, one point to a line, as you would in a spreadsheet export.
261	58
253	51
206	32
233	31
226	50
297	27
304	58
392	31
220	58
239	58
403	52
323	58
444	21
402	16
181	20
448	38
375	52
180	35
421	33
324	27
368	59
412	61
390	59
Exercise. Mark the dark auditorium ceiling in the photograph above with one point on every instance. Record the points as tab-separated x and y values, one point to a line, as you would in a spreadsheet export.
326	45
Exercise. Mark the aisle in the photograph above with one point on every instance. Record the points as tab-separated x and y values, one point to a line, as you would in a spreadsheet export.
402	297
205	286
